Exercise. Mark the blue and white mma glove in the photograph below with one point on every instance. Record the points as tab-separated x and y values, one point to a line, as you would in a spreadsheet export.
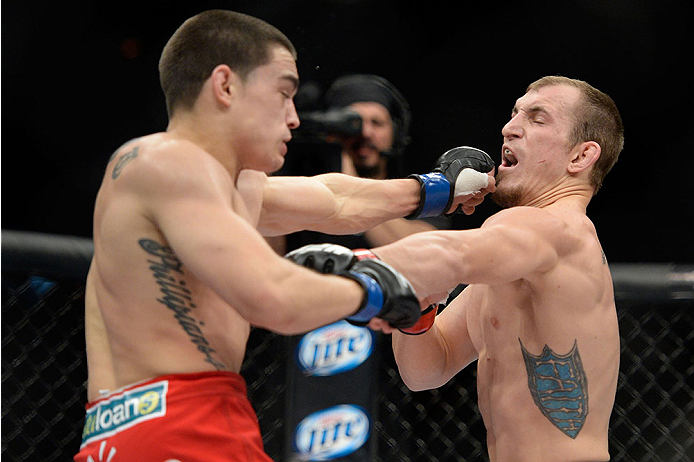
459	171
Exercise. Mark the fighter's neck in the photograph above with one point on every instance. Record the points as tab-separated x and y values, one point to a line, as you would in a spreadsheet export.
574	196
215	145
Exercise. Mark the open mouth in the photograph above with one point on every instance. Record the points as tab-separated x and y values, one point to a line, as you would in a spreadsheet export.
507	158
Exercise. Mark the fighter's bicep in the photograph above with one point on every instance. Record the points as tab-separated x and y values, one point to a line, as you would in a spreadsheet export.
503	251
226	253
454	328
193	207
522	250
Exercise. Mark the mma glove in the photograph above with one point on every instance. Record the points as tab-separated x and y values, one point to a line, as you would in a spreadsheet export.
426	320
387	294
459	171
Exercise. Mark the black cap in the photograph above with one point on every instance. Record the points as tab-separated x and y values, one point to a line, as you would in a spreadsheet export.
355	88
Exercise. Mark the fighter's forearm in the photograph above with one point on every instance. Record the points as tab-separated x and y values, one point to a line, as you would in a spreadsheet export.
362	204
421	359
431	359
334	203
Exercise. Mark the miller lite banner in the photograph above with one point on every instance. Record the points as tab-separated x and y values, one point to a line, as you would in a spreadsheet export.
332	394
333	349
332	433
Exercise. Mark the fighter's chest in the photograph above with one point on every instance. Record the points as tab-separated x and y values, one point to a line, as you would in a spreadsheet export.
500	312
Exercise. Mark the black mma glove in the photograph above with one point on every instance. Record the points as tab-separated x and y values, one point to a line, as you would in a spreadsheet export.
324	258
459	171
387	294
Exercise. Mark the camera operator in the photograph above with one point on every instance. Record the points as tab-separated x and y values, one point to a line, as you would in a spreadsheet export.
361	128
373	148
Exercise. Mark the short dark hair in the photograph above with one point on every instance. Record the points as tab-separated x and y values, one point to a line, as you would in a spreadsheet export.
207	40
596	119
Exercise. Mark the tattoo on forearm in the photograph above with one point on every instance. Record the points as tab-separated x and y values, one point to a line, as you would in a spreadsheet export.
559	387
167	270
123	161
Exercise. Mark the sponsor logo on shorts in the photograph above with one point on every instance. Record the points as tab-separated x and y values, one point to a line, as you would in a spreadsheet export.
331	433
124	411
335	348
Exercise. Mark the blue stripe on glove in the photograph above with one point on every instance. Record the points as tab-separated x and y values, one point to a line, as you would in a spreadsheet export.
374	299
437	194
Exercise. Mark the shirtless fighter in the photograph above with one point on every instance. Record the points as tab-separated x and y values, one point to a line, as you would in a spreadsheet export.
538	313
181	271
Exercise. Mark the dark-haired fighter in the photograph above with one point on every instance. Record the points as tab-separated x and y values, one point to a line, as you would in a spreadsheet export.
180	269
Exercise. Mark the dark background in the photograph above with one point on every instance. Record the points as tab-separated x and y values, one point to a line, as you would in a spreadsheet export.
79	79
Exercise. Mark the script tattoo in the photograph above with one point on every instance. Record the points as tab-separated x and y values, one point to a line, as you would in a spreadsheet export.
123	161
559	387
167	270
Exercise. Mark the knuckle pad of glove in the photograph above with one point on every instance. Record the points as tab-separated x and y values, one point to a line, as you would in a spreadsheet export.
456	159
309	262
400	305
324	258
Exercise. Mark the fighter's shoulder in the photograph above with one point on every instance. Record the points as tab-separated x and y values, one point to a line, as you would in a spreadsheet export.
544	227
531	221
159	157
525	216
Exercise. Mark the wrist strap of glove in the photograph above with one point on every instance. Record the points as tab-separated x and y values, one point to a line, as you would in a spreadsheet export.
364	254
371	304
426	320
435	195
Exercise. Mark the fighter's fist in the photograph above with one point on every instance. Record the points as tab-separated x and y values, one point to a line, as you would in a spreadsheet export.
387	295
324	258
328	258
459	171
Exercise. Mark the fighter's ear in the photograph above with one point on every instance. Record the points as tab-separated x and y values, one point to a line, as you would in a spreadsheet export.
583	156
224	83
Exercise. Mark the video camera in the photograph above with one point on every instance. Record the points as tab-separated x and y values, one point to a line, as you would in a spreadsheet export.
317	124
311	151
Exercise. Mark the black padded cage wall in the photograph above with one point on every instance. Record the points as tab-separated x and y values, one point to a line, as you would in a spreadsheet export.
44	369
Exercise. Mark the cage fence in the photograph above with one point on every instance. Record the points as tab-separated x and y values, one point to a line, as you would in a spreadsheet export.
44	369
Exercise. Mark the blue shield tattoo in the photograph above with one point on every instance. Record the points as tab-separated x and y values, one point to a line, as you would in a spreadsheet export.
559	387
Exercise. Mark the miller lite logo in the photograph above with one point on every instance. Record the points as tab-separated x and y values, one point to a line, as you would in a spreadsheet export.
335	348
331	433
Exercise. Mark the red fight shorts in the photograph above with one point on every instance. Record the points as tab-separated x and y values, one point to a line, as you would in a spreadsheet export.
202	417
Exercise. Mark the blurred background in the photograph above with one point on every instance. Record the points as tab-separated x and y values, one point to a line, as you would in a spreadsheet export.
80	78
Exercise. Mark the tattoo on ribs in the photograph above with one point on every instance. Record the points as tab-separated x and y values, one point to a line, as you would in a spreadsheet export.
167	270
123	161
559	387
